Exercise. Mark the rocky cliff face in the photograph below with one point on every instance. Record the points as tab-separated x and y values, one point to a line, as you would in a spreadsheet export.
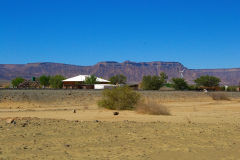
134	71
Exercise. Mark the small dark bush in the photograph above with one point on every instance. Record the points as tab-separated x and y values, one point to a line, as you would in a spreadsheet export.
118	79
56	81
44	80
179	84
219	96
229	88
170	85
120	98
232	88
152	82
192	87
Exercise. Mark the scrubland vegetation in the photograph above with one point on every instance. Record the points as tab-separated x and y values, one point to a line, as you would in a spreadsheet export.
124	98
148	82
120	98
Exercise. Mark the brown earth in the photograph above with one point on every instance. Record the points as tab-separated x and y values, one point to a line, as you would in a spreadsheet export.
198	128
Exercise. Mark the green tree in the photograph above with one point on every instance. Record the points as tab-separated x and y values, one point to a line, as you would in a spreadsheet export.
44	80
207	81
56	81
163	77
17	81
91	80
179	84
151	83
118	79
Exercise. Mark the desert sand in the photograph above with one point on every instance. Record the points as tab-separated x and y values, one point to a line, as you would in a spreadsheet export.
47	128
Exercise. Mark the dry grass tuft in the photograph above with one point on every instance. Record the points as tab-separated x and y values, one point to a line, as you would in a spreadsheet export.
219	96
152	107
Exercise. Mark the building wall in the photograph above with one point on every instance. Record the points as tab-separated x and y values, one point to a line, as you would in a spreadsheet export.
81	85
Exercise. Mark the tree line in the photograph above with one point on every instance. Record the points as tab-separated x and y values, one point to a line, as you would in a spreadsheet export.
44	81
149	82
155	82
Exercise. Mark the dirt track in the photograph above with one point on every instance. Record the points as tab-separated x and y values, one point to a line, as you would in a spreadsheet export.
199	127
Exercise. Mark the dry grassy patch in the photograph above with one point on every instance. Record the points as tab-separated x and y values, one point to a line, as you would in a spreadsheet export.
150	106
219	96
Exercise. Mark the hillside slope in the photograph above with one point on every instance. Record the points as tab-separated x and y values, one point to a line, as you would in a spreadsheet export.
134	71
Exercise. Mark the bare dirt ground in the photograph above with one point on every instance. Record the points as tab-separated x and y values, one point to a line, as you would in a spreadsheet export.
199	127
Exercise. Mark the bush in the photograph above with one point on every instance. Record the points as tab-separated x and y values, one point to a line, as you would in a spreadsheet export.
118	79
219	96
222	88
151	83
56	81
44	80
232	88
179	84
91	80
120	98
163	77
17	81
152	107
207	81
192	87
170	85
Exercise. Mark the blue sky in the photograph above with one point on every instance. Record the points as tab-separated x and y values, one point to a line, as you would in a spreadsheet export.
197	33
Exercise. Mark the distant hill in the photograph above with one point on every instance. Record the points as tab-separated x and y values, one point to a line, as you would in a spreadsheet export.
134	71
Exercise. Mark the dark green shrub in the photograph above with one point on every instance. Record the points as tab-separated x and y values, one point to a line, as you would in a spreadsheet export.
222	88
163	77
118	79
207	81
170	85
17	81
151	83
179	84
56	81
91	80
232	88
44	80
192	87
120	98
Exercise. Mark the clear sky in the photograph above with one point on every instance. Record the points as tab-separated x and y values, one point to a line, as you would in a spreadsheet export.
197	33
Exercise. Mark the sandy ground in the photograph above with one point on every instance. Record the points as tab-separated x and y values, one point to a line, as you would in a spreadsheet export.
199	127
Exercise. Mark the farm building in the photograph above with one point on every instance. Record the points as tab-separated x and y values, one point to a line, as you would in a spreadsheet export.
78	83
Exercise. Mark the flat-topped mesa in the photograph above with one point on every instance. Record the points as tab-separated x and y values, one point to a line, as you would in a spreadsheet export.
134	71
41	63
131	63
106	63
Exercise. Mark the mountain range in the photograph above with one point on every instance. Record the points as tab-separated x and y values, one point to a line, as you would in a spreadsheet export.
132	70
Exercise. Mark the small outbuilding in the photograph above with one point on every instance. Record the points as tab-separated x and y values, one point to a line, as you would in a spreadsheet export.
78	83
